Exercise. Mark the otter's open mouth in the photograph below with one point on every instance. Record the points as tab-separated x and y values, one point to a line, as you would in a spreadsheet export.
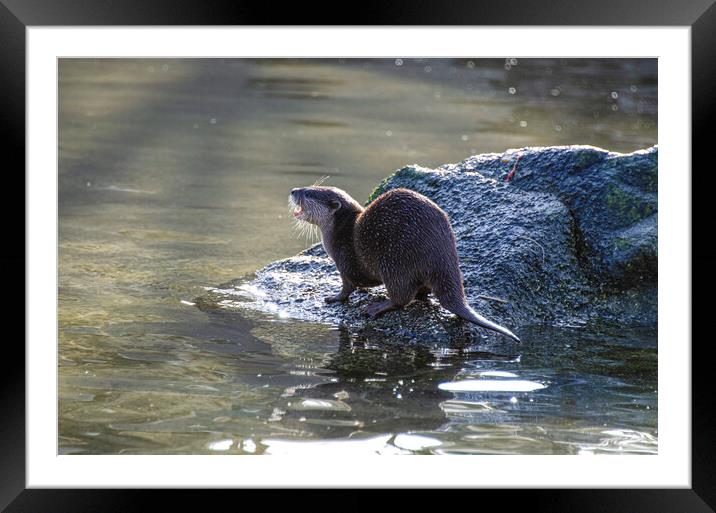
298	211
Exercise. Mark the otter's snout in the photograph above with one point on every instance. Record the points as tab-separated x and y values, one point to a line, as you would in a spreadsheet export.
296	200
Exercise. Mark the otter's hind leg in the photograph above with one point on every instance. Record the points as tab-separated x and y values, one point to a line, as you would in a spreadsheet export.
423	293
399	294
378	308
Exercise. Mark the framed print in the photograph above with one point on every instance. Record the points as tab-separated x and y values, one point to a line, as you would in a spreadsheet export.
427	249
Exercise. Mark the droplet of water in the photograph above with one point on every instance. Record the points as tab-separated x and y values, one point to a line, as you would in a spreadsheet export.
398	62
523	123
633	88
615	95
512	90
388	133
555	91
464	137
470	64
513	400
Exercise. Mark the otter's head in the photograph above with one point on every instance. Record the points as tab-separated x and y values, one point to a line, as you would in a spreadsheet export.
321	205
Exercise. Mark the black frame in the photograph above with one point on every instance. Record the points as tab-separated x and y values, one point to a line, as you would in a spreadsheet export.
17	15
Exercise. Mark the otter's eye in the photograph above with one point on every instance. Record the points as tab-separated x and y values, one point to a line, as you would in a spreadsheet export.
334	204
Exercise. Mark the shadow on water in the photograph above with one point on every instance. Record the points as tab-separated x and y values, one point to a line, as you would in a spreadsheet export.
531	398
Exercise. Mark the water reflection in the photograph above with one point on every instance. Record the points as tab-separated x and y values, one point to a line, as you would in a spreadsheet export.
173	177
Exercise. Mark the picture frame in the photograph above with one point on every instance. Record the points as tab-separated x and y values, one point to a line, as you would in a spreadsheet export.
17	15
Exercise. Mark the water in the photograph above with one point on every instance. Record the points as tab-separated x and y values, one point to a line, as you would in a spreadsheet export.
173	176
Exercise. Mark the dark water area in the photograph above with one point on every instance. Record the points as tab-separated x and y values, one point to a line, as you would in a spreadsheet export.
174	176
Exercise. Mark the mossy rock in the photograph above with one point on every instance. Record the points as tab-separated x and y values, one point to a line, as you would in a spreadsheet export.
570	239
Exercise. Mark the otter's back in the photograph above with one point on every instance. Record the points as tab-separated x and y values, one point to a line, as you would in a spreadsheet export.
403	230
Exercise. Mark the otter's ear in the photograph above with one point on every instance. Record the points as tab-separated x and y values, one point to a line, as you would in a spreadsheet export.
334	205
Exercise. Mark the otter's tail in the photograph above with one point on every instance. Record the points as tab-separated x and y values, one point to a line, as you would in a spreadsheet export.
462	309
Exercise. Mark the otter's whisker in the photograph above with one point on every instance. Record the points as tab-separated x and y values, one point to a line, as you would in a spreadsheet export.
320	181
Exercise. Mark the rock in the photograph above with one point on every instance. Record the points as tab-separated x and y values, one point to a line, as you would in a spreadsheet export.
570	239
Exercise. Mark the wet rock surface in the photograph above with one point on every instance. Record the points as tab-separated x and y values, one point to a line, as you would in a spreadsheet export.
570	239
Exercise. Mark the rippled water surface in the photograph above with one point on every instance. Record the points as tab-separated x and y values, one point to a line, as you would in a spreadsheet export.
173	176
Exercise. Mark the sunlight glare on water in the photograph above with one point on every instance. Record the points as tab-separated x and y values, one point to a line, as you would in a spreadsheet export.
490	385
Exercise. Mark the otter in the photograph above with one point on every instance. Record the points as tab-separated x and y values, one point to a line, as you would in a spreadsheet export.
402	239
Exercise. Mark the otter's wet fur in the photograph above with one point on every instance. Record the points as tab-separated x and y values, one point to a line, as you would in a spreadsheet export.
402	239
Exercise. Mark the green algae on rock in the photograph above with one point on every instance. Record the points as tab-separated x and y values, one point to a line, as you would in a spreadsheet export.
570	239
